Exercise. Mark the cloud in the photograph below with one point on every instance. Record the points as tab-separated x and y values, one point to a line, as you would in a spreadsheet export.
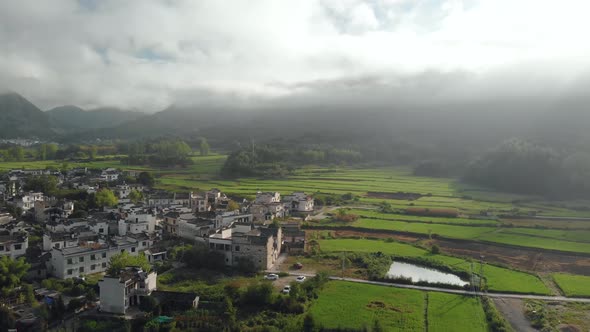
149	54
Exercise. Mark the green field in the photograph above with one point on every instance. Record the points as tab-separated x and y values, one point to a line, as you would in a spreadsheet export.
498	279
371	213
573	285
535	238
448	312
353	305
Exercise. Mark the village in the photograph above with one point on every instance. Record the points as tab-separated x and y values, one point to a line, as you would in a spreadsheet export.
59	240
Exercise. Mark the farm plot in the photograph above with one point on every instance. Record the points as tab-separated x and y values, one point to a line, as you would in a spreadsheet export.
573	285
424	219
565	240
352	305
498	279
448	312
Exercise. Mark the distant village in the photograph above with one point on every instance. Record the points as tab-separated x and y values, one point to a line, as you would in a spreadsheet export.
69	244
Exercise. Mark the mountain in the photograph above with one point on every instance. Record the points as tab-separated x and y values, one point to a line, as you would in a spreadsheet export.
173	121
20	118
66	119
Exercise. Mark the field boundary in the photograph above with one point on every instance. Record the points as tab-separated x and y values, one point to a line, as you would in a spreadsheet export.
452	291
437	236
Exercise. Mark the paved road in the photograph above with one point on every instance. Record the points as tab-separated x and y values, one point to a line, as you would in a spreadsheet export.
455	291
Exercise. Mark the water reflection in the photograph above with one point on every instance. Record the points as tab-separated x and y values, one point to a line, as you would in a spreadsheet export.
418	273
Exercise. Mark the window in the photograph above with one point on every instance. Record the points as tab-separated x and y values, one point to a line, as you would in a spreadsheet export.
93	257
1	248
81	269
81	259
101	230
144	243
70	271
57	245
104	255
132	249
18	246
93	267
237	248
70	261
104	265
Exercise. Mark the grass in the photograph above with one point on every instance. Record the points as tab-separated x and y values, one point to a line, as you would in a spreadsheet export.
354	305
498	279
573	285
367	213
563	240
448	312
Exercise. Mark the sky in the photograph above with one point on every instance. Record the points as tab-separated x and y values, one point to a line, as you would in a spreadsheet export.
148	54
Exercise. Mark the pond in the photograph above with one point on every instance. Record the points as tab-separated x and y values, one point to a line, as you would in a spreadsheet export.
418	273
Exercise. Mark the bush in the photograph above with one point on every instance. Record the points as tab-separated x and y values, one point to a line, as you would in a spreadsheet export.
435	250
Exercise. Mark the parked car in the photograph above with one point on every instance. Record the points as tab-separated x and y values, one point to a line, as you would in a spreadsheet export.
300	279
271	276
298	266
287	289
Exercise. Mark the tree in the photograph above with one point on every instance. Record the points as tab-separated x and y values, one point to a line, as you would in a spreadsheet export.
18	153
93	152
45	183
11	273
232	206
146	178
204	147
136	196
124	259
105	197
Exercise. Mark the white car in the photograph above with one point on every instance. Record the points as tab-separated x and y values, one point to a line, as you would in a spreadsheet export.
300	279
271	276
286	290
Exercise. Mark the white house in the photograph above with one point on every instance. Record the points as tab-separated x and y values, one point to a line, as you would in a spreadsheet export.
267	197
118	293
123	190
109	175
87	258
298	202
260	246
13	244
27	201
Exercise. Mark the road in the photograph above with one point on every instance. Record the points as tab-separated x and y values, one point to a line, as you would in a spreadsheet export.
455	291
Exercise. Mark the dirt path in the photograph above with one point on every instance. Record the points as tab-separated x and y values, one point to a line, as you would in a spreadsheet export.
512	310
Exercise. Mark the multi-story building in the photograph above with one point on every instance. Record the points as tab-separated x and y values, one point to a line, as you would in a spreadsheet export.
118	293
298	202
13	244
87	258
259	246
267	197
26	201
